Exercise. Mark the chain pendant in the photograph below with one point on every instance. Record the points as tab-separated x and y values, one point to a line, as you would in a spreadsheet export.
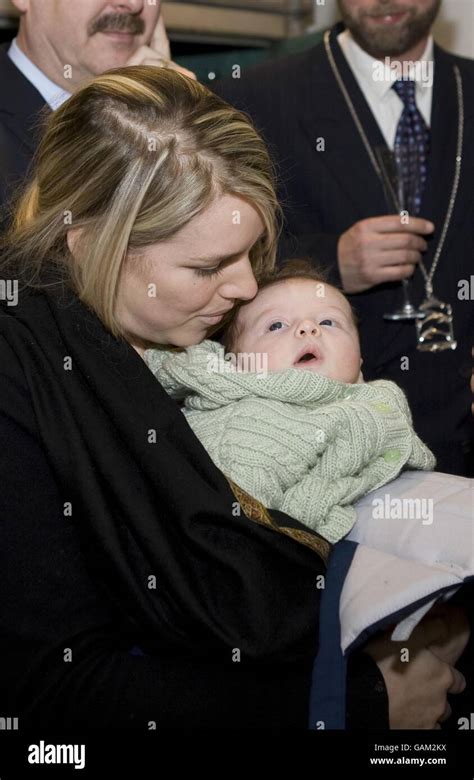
435	331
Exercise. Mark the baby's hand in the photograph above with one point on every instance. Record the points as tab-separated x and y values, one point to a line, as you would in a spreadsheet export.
454	632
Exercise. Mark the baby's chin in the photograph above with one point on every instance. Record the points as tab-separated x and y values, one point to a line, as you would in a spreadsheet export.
317	367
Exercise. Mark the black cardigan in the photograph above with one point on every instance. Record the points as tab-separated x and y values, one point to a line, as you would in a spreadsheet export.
118	532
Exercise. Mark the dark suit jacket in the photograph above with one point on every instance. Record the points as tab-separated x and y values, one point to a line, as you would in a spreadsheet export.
21	110
296	101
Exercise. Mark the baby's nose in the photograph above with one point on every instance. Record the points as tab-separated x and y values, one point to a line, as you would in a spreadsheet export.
307	327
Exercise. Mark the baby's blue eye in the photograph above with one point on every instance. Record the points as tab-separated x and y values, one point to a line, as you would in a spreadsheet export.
327	322
272	326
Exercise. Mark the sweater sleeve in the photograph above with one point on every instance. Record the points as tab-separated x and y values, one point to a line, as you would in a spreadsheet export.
324	505
421	456
65	659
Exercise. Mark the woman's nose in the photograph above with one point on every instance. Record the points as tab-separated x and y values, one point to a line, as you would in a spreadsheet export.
241	285
307	328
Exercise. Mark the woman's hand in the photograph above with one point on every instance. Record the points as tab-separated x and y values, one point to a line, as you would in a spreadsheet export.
417	686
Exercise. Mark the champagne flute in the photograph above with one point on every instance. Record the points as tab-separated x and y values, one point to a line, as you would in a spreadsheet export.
400	194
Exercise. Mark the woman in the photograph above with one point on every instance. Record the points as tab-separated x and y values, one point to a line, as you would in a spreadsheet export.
138	585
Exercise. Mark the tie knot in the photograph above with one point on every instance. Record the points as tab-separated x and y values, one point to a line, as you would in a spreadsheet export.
405	89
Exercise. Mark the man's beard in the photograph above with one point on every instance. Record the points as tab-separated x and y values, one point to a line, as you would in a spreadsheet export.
385	42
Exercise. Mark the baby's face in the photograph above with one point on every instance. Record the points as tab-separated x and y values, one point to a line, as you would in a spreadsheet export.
303	324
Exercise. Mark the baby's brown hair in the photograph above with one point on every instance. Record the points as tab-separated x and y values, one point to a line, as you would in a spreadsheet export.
296	268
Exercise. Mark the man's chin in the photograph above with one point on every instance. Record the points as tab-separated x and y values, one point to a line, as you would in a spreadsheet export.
106	55
385	43
395	39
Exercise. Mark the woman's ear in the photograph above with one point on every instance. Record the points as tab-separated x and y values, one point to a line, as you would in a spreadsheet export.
72	236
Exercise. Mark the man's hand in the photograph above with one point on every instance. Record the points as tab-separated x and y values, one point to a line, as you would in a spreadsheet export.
158	52
381	249
454	631
417	688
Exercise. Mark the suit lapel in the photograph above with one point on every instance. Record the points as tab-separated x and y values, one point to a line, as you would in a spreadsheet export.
22	107
444	133
329	117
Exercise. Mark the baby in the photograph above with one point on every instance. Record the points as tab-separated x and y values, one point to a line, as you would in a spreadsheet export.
282	408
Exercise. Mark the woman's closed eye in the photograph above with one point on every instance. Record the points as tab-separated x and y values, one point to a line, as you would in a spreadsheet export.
209	272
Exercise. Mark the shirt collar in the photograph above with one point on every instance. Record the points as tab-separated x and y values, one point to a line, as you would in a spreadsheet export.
51	92
378	77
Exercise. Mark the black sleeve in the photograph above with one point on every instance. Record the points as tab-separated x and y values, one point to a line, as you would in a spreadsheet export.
65	652
367	704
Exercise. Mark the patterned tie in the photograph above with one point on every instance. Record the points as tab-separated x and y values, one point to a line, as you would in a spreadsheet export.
412	146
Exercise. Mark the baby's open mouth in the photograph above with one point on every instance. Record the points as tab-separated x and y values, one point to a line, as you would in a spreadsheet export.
307	356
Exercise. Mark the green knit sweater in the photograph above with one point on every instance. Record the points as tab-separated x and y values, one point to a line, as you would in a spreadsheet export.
295	440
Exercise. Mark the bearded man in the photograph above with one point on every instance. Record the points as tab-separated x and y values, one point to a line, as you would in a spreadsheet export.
372	132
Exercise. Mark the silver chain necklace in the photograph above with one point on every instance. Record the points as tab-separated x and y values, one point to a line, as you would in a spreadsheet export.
435	331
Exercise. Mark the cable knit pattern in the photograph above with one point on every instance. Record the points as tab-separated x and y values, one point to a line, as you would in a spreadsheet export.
295	440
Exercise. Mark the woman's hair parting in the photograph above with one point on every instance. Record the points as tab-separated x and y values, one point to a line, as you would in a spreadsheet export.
126	162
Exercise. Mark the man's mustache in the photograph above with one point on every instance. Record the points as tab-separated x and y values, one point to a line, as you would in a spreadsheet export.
126	23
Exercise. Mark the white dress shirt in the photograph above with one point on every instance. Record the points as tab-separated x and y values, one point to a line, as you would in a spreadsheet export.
53	95
383	101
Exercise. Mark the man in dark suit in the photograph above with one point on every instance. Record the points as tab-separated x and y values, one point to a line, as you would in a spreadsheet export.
329	115
20	114
59	46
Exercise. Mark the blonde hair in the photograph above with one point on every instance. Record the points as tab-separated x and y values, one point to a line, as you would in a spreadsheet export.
130	159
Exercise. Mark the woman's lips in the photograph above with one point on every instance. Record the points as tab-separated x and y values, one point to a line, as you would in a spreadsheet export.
214	317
